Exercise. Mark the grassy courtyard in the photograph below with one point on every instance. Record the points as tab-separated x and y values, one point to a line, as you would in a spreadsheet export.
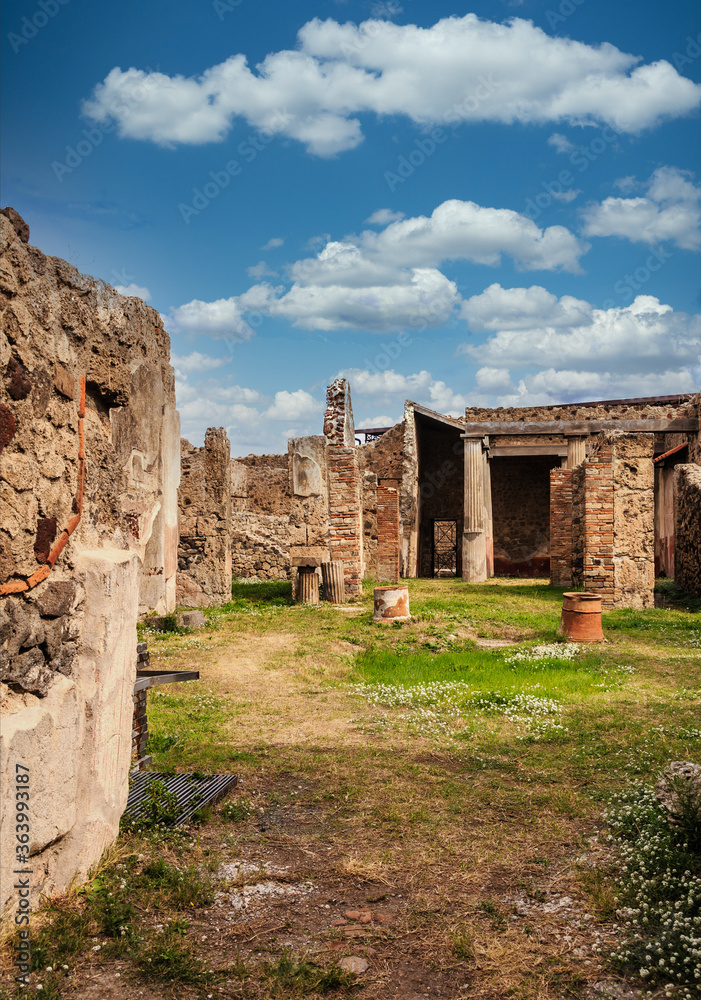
442	782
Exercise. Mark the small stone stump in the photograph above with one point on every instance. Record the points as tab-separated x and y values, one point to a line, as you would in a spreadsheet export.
391	604
334	585
307	585
307	559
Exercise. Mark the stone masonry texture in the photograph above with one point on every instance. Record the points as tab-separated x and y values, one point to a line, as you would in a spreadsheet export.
561	527
388	531
67	645
204	551
687	527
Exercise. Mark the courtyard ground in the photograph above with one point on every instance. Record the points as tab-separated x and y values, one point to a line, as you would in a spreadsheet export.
425	799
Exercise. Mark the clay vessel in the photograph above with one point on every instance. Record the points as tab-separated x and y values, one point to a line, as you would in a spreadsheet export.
581	617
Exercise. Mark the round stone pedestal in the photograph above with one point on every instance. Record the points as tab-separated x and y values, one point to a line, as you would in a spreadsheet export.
391	604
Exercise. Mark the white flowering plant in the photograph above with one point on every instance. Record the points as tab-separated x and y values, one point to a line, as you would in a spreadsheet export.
659	896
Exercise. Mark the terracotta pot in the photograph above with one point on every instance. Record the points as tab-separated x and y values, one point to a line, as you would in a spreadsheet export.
581	617
391	604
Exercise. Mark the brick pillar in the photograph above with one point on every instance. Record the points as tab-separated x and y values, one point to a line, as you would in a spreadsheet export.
345	523
388	531
561	527
598	523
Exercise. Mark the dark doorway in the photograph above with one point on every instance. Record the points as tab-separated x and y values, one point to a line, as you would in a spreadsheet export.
440	452
445	548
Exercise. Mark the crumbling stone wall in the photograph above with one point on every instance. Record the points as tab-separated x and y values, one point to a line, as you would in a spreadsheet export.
687	407
633	520
369	488
339	429
388	530
345	502
409	509
260	524
204	552
613	520
687	527
561	527
382	459
67	646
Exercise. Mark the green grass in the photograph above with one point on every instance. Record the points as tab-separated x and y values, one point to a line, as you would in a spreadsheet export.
487	671
449	776
274	591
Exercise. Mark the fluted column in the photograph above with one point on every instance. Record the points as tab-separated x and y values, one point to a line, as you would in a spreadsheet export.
576	451
488	519
474	541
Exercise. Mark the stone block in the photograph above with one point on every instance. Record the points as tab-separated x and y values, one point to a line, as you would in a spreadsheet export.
44	735
20	624
56	598
28	671
191	619
308	555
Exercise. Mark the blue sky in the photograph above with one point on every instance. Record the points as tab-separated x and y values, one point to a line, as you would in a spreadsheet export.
493	204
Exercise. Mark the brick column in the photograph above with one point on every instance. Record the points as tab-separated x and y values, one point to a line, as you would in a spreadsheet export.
598	523
345	525
561	527
388	531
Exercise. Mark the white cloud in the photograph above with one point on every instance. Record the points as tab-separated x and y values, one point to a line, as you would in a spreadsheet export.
498	308
671	210
561	143
492	380
463	230
389	280
382	421
298	405
222	318
252	421
626	184
569	194
644	349
563	386
421	387
383	216
425	298
645	337
195	363
464	67
135	290
273	243
260	270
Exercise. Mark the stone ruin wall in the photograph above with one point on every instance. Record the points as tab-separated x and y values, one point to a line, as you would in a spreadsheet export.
687	527
633	519
204	498
261	508
607	503
68	644
573	411
382	468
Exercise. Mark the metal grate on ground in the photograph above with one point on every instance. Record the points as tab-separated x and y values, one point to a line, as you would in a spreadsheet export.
191	793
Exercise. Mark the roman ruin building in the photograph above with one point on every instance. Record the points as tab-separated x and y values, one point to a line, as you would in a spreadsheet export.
581	494
106	515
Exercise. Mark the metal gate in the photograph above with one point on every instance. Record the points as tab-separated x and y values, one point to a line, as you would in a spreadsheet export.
445	548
